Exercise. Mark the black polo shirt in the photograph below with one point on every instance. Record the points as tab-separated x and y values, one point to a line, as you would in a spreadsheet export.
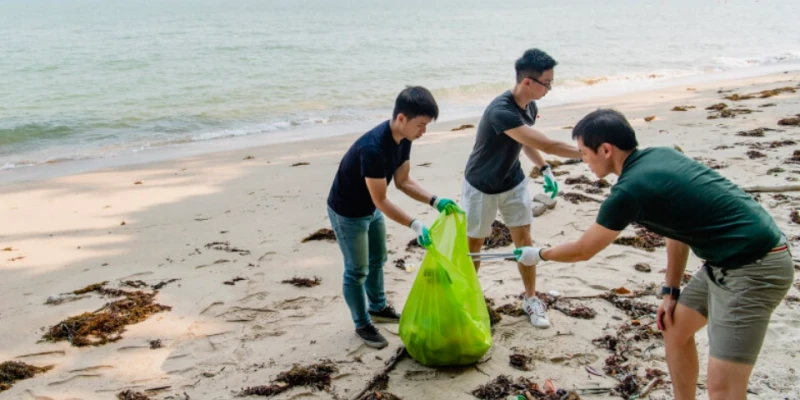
374	155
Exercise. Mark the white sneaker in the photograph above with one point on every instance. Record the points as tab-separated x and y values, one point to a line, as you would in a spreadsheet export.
535	308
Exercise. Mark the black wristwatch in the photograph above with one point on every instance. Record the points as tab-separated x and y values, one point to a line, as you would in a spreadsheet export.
672	291
544	168
433	200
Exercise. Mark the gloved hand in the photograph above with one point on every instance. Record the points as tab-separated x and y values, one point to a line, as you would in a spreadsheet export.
446	205
423	235
550	183
528	256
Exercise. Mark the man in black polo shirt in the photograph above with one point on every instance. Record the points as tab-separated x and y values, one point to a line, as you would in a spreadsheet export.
494	180
357	203
747	271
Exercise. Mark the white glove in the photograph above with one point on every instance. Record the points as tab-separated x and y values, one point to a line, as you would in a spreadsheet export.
528	256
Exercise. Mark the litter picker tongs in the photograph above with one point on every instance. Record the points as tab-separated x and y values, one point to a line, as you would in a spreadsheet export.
491	256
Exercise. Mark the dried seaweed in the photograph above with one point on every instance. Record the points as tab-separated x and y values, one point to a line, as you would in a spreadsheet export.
593	190
233	281
494	316
322	234
107	324
400	263
303	282
717	107
160	285
682	108
131	395
582	312
316	376
629	386
753	154
642	267
738	97
792	299
711	163
510	310
600	183
576	198
651	373
758	132
13	371
773	144
155	344
791	121
795	158
91	288
503	386
607	342
634	309
226	246
135	284
462	127
301	163
768	105
500	236
413	244
520	361
644	240
379	395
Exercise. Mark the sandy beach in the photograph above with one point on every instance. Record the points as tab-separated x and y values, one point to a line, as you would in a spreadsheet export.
209	220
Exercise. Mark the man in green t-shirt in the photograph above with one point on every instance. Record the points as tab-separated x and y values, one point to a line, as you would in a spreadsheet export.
747	271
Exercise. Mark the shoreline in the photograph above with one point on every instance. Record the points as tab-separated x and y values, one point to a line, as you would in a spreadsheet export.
172	152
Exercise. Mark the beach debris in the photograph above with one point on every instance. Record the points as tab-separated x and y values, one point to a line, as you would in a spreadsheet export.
678	148
108	323
774	92
137	183
226	246
691	89
322	234
400	263
122	223
642	267
649	118
775	144
494	316
8	249
160	285
500	236
91	288
503	385
520	361
135	284
739	97
795	121
554	164
131	395
711	163
380	381
546	200
303	282
775	170
644	239
234	280
248	158
13	371
758	132
568	127
682	108
634	309
795	216
511	310
301	163
538	209
425	164
581	312
753	154
768	105
593	190
316	376
462	127
717	107
155	344
628	386
413	244
600	183
723	147
576	198
57	299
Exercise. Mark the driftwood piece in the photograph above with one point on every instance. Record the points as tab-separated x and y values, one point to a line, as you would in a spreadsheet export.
772	189
398	355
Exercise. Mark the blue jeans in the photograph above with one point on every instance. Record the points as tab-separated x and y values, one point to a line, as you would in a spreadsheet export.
363	244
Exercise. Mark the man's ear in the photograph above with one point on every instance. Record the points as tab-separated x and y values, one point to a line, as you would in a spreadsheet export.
401	118
606	149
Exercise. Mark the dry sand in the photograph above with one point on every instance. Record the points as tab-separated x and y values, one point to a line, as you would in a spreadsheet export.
66	233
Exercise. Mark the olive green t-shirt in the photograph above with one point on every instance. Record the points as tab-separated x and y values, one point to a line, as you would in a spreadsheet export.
682	199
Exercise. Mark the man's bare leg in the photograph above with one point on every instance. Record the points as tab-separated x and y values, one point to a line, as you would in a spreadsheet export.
475	245
521	235
682	352
727	380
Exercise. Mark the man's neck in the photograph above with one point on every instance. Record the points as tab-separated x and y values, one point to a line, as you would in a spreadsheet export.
620	161
396	136
521	100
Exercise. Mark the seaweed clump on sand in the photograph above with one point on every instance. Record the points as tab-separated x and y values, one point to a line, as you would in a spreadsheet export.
758	132
13	371
108	323
753	154
503	386
791	121
494	316
554	164
131	395
376	389
576	198
303	282
322	234
711	163
500	236
316	376
682	108
644	239
510	310
600	183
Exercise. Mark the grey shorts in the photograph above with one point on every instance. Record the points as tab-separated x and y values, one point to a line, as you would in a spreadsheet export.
481	208
738	303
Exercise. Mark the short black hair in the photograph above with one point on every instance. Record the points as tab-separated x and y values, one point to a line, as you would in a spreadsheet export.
533	63
415	101
605	125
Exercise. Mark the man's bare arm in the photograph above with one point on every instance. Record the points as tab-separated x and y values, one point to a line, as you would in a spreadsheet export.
403	182
595	239
535	139
534	155
377	191
677	256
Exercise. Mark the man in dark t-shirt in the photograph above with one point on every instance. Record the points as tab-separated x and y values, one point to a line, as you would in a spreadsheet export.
747	271
494	180
357	203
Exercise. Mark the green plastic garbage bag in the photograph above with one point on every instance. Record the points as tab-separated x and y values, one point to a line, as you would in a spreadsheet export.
444	320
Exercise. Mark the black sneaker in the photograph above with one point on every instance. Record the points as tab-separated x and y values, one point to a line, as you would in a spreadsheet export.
388	314
371	337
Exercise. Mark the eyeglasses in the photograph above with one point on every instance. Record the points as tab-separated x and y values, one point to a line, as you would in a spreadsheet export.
548	86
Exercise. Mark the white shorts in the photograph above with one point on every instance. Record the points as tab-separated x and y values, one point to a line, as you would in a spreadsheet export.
481	208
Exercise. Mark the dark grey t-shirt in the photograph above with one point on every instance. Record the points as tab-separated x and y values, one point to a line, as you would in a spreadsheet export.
493	167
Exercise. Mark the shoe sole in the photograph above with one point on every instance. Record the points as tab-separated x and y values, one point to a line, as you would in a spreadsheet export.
375	345
384	319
